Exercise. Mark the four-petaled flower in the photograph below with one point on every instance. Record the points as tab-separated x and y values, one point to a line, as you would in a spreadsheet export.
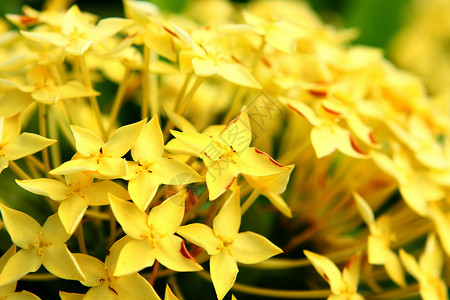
227	246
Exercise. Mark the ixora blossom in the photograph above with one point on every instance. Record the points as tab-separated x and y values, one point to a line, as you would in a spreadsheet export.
229	154
41	245
78	33
428	270
98	158
378	243
227	246
7	291
75	195
343	285
15	145
150	169
152	236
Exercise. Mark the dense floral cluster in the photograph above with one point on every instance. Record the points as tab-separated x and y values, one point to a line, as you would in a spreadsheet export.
244	94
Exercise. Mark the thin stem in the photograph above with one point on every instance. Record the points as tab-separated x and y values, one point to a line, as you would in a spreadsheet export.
40	277
19	172
43	132
120	95
97	214
154	272
407	292
187	100
193	211
175	287
80	239
94	104
154	103
285	294
250	200
237	101
145	83
53	133
112	227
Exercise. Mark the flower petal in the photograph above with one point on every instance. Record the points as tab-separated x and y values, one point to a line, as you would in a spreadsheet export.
227	222
92	268
220	176
323	140
171	171
251	248
26	144
143	188
23	229
112	167
166	217
224	270
394	269
255	162
107	27
127	262
149	146
328	270
71	211
59	261
70	296
196	141
76	165
102	291
132	219
170	252
134	286
20	264
364	209
237	74
97	192
86	141
53	230
54	189
410	264
237	133
123	139
202	236
204	67
279	203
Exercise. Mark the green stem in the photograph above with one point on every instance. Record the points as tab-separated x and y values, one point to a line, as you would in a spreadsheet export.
412	290
40	277
250	200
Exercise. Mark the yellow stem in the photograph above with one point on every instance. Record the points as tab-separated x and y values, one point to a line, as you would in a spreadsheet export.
94	104
53	134
43	132
285	294
154	93
120	95
193	211
97	214
112	227
407	292
19	172
187	100
145	83
80	239
39	277
252	198
237	101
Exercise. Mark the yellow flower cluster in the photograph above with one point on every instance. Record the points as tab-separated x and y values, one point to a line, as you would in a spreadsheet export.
244	94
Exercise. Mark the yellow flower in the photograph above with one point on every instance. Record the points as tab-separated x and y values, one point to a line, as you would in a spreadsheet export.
7	290
100	159
271	187
150	168
229	154
15	145
41	245
104	285
152	236
343	285
378	244
227	246
78	33
428	270
75	195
